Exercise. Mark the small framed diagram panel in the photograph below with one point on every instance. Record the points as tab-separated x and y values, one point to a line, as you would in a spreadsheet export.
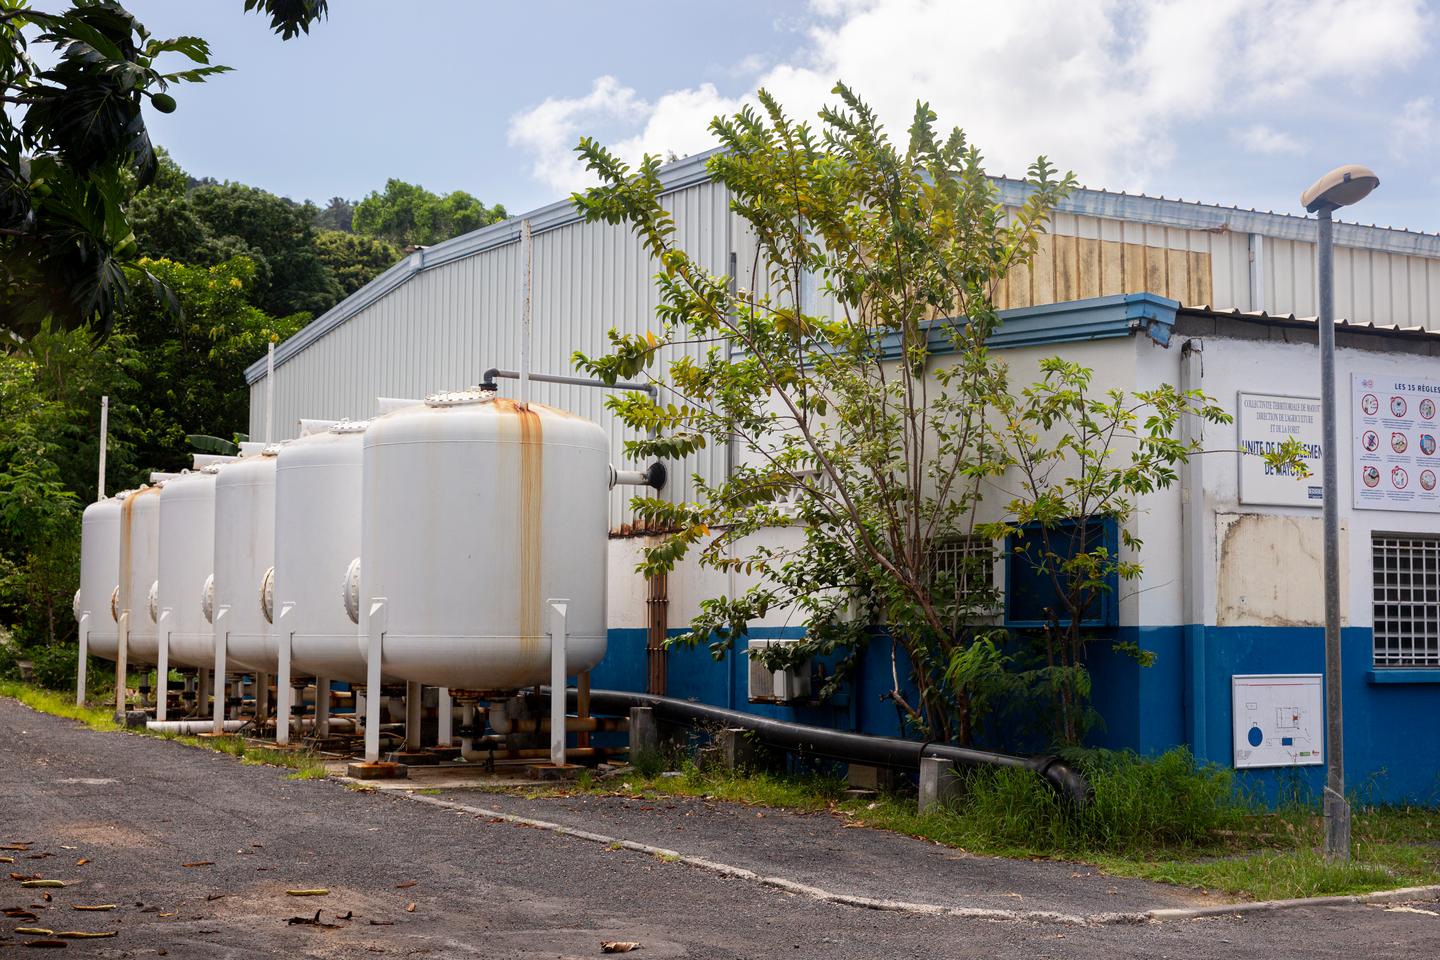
1279	720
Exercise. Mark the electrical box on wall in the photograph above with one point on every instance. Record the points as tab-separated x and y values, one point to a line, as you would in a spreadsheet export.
1279	720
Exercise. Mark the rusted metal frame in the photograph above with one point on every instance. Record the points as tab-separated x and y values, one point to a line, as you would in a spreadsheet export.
582	708
657	610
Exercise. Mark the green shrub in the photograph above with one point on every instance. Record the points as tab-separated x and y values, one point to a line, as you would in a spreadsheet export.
1138	803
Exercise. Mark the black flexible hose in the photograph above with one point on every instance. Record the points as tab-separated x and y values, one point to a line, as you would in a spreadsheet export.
840	744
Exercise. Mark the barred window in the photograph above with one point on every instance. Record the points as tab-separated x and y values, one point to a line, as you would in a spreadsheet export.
1407	600
970	562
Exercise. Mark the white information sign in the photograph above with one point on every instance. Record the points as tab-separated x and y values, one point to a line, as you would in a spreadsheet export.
1265	421
1279	720
1395	464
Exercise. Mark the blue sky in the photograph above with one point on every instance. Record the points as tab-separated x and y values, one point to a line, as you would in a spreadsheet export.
1228	101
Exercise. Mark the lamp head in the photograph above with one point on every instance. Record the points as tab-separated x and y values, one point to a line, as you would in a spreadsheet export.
1340	188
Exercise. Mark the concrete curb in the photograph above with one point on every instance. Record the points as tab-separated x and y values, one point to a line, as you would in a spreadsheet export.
930	909
1431	892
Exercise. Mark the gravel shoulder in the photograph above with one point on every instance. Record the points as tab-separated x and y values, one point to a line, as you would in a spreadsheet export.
138	809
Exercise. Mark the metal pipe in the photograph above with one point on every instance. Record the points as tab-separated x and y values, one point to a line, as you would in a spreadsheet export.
508	726
104	443
488	383
842	745
653	476
270	393
527	244
192	726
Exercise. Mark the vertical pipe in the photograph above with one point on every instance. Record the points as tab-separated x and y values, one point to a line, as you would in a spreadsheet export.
1337	809
557	682
104	443
1257	271
283	690
202	691
162	665
83	662
222	637
322	708
372	679
414	716
582	705
527	244
262	700
122	656
270	393
1193	529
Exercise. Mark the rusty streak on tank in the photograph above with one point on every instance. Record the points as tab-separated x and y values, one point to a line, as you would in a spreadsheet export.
532	460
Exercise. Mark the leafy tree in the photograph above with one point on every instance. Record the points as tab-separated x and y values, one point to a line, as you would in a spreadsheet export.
74	149
877	427
336	215
409	215
193	377
277	234
353	259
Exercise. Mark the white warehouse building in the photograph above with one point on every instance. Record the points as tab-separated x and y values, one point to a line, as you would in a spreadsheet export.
1144	290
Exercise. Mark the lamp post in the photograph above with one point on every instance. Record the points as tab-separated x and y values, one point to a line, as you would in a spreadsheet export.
1338	188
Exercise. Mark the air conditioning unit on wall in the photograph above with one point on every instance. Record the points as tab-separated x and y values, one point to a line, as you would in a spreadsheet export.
777	686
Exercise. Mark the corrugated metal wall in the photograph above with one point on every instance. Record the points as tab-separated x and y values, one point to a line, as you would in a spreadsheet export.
446	325
443	326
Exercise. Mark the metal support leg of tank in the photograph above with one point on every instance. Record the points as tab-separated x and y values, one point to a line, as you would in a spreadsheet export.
558	637
444	728
122	651
262	701
322	708
162	664
414	715
283	691
582	705
84	659
202	691
222	639
372	767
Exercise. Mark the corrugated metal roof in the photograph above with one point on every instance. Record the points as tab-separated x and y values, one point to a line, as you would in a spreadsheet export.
1135	208
1290	319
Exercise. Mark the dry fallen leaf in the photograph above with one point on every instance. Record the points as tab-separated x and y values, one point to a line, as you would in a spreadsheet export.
410	908
406	885
82	861
14	846
618	946
199	863
85	934
7	859
24	876
42	883
92	906
36	931
316	892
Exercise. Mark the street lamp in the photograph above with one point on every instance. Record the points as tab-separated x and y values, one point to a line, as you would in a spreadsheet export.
1338	188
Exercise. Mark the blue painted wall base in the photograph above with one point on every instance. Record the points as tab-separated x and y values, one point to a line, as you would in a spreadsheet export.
1392	718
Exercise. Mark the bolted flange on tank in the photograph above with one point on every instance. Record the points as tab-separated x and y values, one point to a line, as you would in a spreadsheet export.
477	510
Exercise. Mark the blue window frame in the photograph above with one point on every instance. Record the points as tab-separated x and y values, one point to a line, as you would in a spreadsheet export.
1029	589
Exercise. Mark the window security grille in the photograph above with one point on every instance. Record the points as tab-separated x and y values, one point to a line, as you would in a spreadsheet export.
969	561
1407	600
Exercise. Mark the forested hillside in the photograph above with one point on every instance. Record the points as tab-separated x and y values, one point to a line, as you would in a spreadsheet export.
223	268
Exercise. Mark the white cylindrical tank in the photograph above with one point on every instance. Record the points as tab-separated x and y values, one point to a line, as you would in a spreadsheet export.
187	557
477	510
244	554
100	574
139	569
317	535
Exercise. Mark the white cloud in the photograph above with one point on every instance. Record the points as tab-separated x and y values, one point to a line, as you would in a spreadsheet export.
1413	133
1101	86
1265	140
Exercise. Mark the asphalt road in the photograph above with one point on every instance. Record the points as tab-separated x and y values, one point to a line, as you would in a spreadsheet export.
138	810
